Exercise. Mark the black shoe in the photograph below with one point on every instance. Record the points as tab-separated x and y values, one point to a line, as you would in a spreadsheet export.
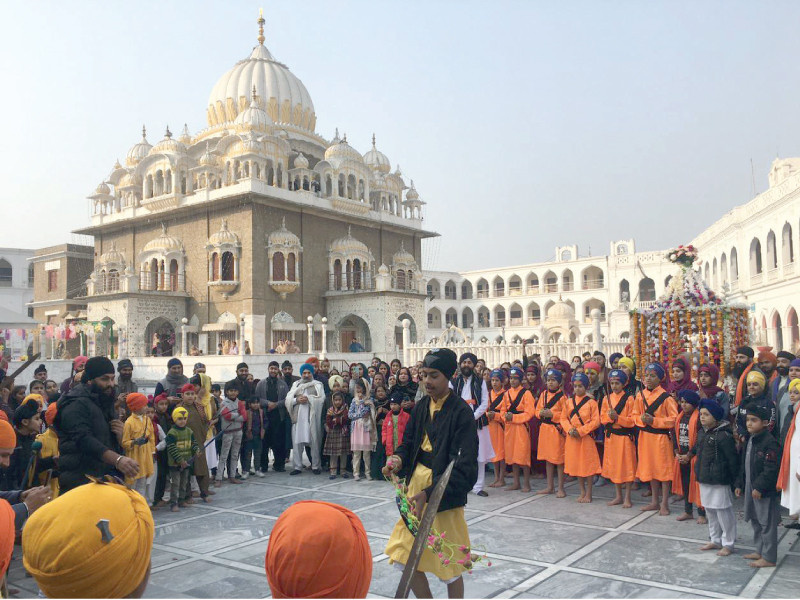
482	494
295	472
279	470
795	525
316	471
345	475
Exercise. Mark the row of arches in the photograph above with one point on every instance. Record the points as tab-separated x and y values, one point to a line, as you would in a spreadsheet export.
590	278
513	315
780	332
7	274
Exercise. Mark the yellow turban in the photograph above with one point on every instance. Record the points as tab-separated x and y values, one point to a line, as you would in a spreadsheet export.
36	397
758	377
334	379
627	363
318	550
63	547
179	412
794	384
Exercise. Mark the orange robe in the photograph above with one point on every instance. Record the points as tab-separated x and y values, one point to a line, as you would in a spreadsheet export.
520	404
619	457
497	425
677	481
551	436
655	449
580	454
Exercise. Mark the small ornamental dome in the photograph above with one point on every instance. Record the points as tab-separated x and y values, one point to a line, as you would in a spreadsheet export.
208	159
102	189
283	237
138	151
113	256
561	310
343	151
403	256
185	138
164	243
301	162
377	159
224	236
412	194
254	117
168	145
349	245
127	181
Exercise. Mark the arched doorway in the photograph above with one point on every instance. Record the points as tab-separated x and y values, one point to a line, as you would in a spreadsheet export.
398	330
106	340
791	323
159	337
354	329
776	323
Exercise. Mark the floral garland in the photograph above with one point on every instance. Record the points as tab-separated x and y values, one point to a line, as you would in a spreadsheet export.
683	255
446	551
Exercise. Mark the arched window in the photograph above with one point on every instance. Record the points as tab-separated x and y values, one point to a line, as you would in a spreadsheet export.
772	254
215	267
400	278
755	257
228	272
30	275
624	291
647	290
173	275
337	274
291	266
279	267
6	273
788	245
154	279
734	265
113	281
356	274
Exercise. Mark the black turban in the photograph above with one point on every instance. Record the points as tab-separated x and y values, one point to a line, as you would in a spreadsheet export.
97	366
468	355
125	363
746	350
441	359
25	410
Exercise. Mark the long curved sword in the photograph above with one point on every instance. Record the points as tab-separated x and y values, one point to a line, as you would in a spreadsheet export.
423	531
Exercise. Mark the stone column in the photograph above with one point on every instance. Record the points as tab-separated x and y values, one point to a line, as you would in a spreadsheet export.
406	341
324	350
597	340
310	327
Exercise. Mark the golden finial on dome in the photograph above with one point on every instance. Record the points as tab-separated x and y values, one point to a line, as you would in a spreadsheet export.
261	26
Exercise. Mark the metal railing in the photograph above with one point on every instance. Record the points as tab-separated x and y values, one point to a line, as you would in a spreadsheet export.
351	281
161	282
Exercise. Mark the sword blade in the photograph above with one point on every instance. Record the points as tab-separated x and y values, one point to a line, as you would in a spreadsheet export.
423	531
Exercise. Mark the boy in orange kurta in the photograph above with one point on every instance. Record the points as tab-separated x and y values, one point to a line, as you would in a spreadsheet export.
579	418
517	410
497	398
655	412
619	458
549	407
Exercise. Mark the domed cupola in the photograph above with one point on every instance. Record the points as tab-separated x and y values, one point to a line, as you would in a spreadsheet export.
349	245
412	193
377	159
561	311
351	264
208	159
281	94
185	137
283	251
342	152
224	237
138	151
301	162
164	243
254	117
113	257
168	145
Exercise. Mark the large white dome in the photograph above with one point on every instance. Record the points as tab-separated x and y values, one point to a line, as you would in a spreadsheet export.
280	93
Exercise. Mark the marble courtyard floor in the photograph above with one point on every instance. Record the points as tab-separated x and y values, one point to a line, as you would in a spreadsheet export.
540	546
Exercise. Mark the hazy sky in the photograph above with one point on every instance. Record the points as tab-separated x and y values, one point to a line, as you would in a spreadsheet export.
525	125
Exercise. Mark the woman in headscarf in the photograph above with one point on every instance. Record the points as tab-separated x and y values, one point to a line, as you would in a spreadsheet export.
680	377
202	382
707	377
566	371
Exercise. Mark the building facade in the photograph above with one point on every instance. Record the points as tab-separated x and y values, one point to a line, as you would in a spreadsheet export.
253	225
16	287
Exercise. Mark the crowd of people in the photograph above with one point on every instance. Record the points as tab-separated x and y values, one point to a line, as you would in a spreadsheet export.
676	433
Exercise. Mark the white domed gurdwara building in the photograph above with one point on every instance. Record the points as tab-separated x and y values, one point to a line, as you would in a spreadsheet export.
255	215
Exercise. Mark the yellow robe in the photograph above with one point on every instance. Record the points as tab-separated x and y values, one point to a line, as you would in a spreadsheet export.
137	426
49	440
451	522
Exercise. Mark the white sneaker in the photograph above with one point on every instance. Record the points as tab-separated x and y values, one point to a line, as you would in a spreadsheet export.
357	477
245	475
259	473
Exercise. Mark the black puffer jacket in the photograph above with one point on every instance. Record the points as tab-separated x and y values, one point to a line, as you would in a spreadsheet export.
453	430
765	462
717	461
84	434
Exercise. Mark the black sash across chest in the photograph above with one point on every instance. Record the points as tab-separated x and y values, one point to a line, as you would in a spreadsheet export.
549	406
650	409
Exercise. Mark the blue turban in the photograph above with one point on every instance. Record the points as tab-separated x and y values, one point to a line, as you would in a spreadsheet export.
690	396
516	372
498	373
174	362
614	357
307	367
657	369
555	374
619	374
582	378
715	409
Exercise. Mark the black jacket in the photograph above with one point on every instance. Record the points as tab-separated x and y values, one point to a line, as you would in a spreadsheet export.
84	434
717	461
765	461
453	430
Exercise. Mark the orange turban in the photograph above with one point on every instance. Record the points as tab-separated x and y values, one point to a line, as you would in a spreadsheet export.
6	536
135	401
50	413
318	550
8	437
65	550
36	397
767	356
3	416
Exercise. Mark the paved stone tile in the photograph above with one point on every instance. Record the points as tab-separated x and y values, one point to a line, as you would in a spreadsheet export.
276	507
247	494
213	532
669	561
578	585
567	510
530	540
690	529
785	580
209	580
